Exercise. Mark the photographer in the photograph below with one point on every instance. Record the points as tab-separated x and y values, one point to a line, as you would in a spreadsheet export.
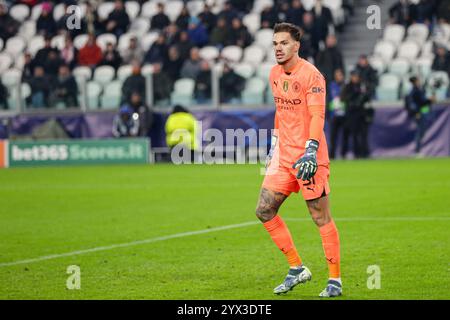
418	107
126	123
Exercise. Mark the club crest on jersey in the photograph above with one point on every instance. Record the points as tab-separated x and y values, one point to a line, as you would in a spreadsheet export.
285	85
296	86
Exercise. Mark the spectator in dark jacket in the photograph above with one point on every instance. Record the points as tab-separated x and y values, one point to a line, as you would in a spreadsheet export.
239	35
118	20
295	14
111	57
367	74
182	20
231	85
441	61
28	67
330	59
172	66
184	45
203	83
160	20
158	51
64	89
3	96
228	12
40	85
220	34
143	111
42	54
162	85
208	18
134	83
52	64
269	17
45	24
400	13
311	34
197	32
322	19
8	25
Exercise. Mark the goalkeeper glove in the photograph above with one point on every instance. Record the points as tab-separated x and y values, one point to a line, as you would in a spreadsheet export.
307	165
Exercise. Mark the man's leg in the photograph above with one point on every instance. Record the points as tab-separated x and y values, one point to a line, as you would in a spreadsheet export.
320	212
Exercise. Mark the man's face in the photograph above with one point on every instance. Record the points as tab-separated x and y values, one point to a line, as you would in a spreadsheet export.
284	47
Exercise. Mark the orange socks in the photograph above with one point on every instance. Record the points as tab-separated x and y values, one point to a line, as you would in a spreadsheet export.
282	237
330	242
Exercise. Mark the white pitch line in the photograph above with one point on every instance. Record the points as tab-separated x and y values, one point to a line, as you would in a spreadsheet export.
192	233
129	244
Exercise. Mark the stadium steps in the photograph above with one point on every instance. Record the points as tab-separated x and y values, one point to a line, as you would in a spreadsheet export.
357	39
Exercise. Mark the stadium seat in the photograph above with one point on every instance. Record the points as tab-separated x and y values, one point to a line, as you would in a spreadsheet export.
132	8
58	41
13	100
418	32
399	66
308	4
148	40
269	96
112	94
385	50
20	12
244	69
173	9
263	38
124	41
435	78
36	43
422	66
124	72
80	41
19	62
5	61
58	11
1	44
254	91
231	53
378	64
149	9
409	50
104	39
209	53
195	7
140	26
388	87
427	50
104	74
11	77
406	87
147	69
337	10
252	21
183	92
27	30
82	74
94	90
394	33
15	46
253	54
259	5
104	9
441	33
263	71
270	56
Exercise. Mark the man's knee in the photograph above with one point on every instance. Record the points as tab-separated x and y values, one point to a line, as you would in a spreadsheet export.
265	214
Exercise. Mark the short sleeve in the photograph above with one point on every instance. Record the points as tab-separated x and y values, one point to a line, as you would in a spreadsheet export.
316	91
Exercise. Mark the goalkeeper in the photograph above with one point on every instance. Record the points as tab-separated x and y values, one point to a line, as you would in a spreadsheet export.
298	160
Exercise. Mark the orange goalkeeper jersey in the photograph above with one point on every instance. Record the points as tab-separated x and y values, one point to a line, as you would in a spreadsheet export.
298	96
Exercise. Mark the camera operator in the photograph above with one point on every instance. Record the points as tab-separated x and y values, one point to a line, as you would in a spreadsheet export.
355	95
126	123
419	106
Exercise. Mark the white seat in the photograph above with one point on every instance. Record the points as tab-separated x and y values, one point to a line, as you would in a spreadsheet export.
104	9
252	21
58	11
183	92
264	37
1	44
15	46
27	30
94	90
422	66
82	73
149	9
254	91
406	87
433	79
254	54
104	74
5	61
427	50
173	9
36	11
209	53
408	50
132	8
394	33
124	72
80	41
58	41
388	87
148	40
441	33
20	12
140	26
232	53
19	62
147	69
13	100
259	5
244	69
263	70
104	39
124	41
112	94
385	50
418	32
400	67
195	7
378	64
11	77
35	44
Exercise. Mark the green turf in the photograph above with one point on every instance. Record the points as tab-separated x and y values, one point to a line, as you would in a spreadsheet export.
47	211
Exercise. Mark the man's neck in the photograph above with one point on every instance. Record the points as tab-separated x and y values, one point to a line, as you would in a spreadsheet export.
290	65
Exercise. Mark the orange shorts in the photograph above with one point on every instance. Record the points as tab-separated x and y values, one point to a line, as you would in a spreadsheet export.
283	179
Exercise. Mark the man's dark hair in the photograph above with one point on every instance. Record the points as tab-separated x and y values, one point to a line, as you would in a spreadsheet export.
293	30
179	108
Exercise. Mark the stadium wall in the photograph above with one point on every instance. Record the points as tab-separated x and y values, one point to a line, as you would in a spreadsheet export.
392	133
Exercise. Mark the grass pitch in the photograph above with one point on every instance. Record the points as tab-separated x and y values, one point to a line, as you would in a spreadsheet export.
391	213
